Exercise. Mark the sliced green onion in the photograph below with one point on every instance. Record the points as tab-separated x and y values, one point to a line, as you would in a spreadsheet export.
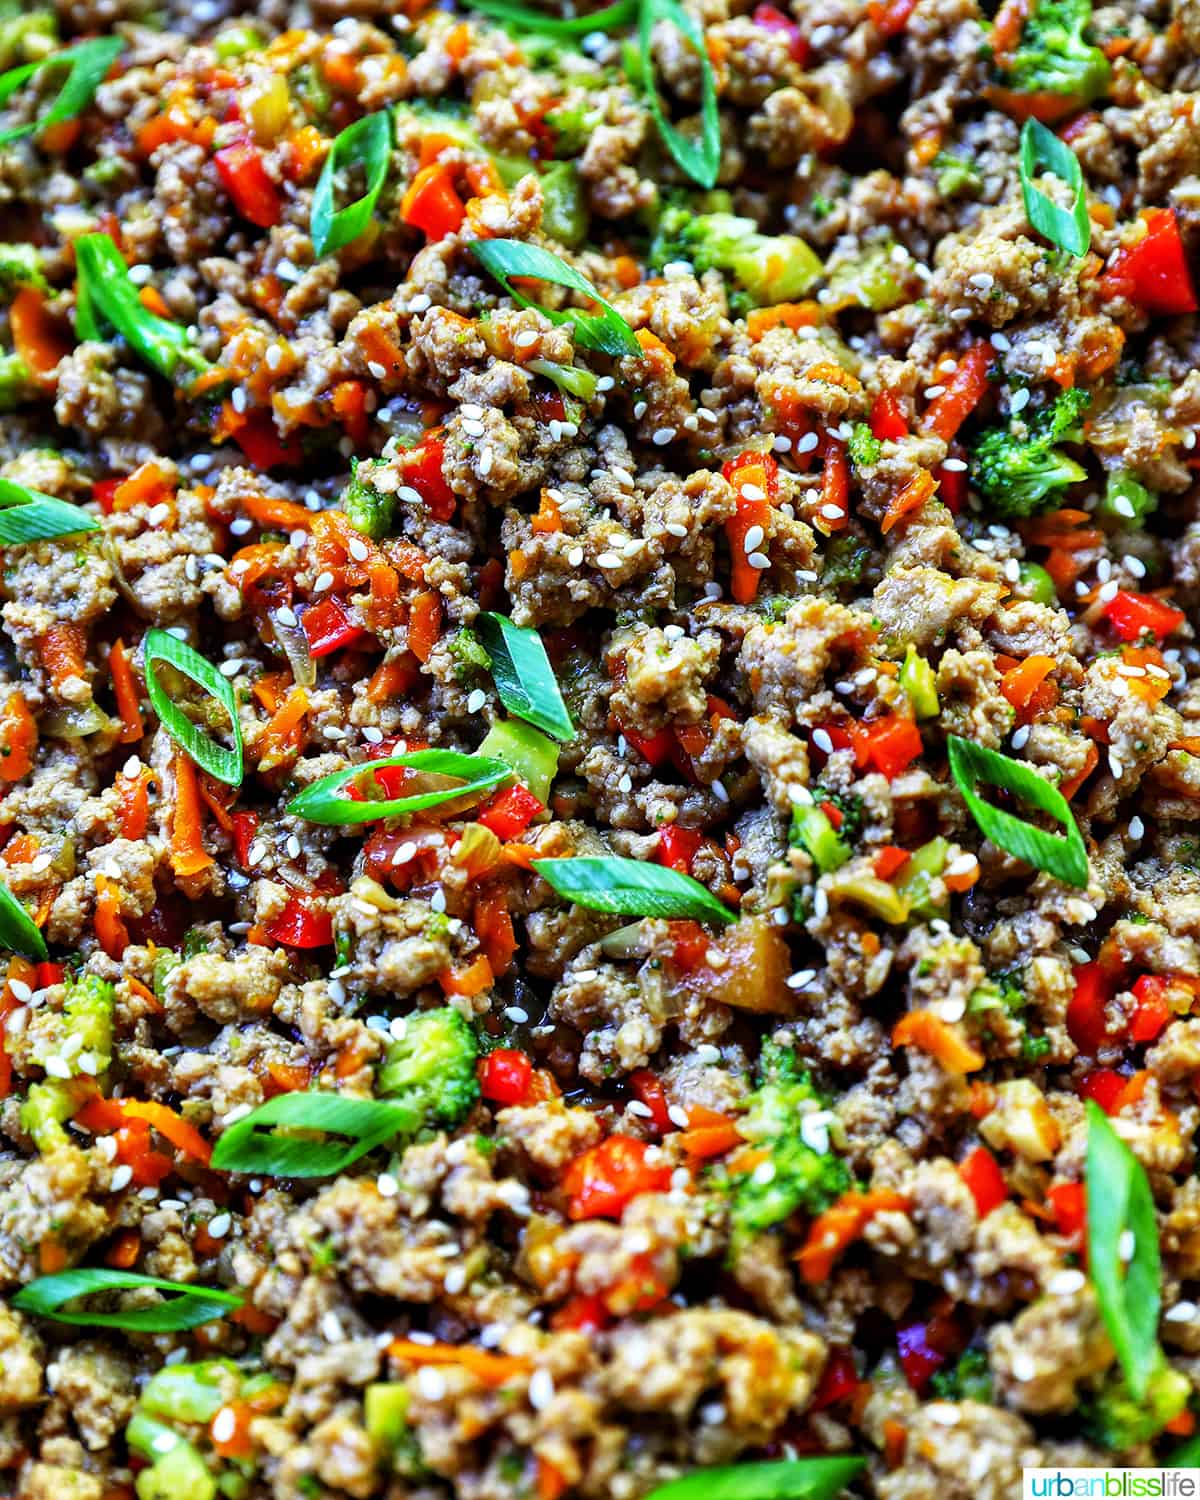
29	516
1069	229
789	1479
629	888
254	1145
701	159
369	143
528	19
188	1307
88	65
218	760
322	802
18	931
1128	1287
1063	857
607	331
570	379
106	297
523	675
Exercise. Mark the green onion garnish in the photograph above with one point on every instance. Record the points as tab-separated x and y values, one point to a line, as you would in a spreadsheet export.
221	761
629	888
254	1145
188	1306
369	143
523	675
323	802
606	331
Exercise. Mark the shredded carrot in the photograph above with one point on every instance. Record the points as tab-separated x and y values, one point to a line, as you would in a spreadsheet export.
783	315
473	980
272	512
895	1440
254	1320
923	1029
62	651
914	494
38	337
149	484
491	1368
548	517
392	678
111	931
308	149
708	1134
551	1481
188	854
1072	784
152	300
832	1232
1007	27
1021	682
494	928
283	738
379	348
125	690
143	992
52	1258
135	803
18	738
961	392
424	624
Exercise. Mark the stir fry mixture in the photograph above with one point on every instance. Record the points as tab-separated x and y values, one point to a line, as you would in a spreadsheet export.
600	814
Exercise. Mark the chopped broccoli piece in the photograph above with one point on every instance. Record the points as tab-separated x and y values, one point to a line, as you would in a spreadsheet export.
801	1177
573	126
813	832
367	509
848	804
770	268
956	175
968	1380
570	379
1037	583
433	1065
195	940
1126	500
919	681
1034	1048
16	382
27	38
1053	57
48	1106
80	1035
820	207
865	279
1115	1420
845	559
864	447
469	654
1019	474
21	265
564	207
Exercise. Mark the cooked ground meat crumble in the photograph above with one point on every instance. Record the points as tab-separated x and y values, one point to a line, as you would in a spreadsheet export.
740	485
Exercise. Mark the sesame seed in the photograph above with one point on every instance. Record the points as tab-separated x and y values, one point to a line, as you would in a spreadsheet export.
708	1054
541	1389
238	400
608	560
1126	1245
955	465
1137	829
1115	766
1019	400
476	700
358	549
821	739
752	492
286	616
678	1116
516	1014
431	1383
399	1028
372	735
807	443
662	436
753	539
240	525
1020	736
759	561
575	556
438	900
801	979
455	1280
763	1174
832	512
219	1227
387	1185
676	529
1012	570
420	303
20	991
643	1111
526	338
933	391
1066	1283
963	865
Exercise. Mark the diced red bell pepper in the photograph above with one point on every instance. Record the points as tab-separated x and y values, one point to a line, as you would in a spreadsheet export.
755	480
656	748
1132	615
981	1173
889	861
689	945
1158	996
432	203
601	1182
1085	1012
677	848
47	974
255	195
258	439
1068	1203
889	744
245	826
509	813
839	1380
952	488
392	780
771	18
584	1312
887	418
961	393
647	1087
918	1358
328	627
421	469
505	1076
103	491
297	926
1105	1086
1154	272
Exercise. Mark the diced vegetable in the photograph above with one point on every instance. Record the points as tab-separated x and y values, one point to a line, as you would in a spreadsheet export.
432	1066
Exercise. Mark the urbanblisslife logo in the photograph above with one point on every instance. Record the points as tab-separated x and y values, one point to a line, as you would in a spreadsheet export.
1111	1484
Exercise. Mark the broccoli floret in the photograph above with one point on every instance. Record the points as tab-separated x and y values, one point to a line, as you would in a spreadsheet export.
26	38
1053	57
21	265
848	804
367	509
801	1177
433	1065
1115	1420
956	175
48	1106
16	382
1126	500
469	654
1034	1048
845	559
80	1035
812	831
864	447
770	268
1018	474
969	1380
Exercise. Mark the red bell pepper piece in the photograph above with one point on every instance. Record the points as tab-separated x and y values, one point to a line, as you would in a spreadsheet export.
962	392
1105	1086
771	18
656	748
432	204
689	945
258	439
1154	1011
421	469
505	1075
1132	615
47	974
255	195
1085	1012
648	1088
245	826
887	418
981	1173
1153	273
586	1312
889	861
952	488
103	491
297	926
890	744
755	481
509	813
919	1359
328	627
1068	1203
601	1182
677	848
839	1380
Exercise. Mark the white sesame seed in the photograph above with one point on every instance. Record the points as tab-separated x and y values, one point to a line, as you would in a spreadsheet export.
219	1227
678	1116
1115	766
575	556
708	1054
759	561
455	1280
121	1178
832	512
286	616
1137	829
358	549
331	1328
431	1383
801	979
643	1111
1066	1283
608	560
157	514
1182	1312
1020	736
963	865
240	525
1126	1245
475	700
238	400
955	465
1019	400
662	436
933	391
763	1174
541	1389
20	991
821	739
807	442
399	1027
438	900
387	1185
526	338
516	1014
